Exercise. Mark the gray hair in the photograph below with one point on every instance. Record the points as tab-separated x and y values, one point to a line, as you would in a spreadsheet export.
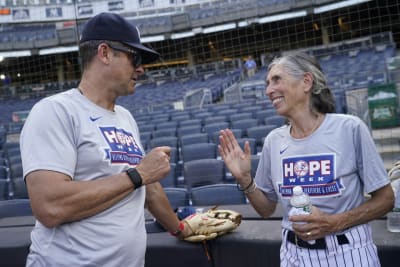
322	99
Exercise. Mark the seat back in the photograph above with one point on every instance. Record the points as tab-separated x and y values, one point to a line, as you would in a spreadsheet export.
191	129
252	143
170	179
193	139
15	208
4	186
244	124
164	132
171	141
203	172
199	151
276	120
178	197
217	194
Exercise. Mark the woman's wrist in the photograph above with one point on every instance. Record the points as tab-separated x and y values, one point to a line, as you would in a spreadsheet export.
245	184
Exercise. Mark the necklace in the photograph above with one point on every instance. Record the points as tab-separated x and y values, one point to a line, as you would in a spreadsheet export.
307	133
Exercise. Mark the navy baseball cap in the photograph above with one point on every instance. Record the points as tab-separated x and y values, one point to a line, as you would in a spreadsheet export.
113	27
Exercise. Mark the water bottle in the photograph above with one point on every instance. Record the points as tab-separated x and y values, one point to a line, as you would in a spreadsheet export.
301	204
393	217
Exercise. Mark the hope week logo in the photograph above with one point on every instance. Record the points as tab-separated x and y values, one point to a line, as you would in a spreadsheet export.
122	146
315	173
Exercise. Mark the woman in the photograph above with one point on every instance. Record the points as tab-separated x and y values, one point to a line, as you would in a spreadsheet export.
332	156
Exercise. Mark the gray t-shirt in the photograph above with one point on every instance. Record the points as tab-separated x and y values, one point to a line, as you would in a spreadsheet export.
335	165
67	133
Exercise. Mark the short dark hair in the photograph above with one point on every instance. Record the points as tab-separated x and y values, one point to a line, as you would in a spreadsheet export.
88	50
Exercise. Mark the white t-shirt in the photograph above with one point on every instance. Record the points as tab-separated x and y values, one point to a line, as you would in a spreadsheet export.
68	133
335	165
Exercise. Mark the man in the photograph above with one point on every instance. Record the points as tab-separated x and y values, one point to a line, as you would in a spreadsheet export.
250	66
85	169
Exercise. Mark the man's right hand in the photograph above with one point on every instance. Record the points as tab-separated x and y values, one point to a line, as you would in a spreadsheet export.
155	165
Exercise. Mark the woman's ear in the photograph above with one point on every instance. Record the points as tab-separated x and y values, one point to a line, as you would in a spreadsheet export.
308	80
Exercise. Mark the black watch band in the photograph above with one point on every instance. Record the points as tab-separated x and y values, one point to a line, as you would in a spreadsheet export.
135	177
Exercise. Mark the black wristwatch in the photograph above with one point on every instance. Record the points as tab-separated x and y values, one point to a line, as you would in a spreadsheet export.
135	177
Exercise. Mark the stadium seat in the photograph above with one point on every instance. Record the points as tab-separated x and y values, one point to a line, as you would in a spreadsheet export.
276	120
213	127
14	159
217	194
240	116
190	122
170	179
259	133
167	125
261	115
164	133
19	190
15	208
16	170
216	119
252	143
4	170
191	129
193	139
238	133
253	109
178	197
171	141
244	124
199	151
4	189
203	172
148	127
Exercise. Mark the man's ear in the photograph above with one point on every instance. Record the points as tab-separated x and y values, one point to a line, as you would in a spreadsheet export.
103	51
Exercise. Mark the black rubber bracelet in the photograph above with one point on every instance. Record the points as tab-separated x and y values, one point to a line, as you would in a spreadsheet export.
135	177
247	187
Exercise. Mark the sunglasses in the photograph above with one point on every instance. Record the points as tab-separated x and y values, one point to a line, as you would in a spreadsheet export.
136	58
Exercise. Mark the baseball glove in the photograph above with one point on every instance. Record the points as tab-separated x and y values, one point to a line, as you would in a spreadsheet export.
210	224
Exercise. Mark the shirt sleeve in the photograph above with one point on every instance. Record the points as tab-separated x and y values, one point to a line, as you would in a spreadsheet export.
370	164
47	139
263	173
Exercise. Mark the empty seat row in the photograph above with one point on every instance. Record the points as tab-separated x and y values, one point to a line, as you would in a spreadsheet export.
207	195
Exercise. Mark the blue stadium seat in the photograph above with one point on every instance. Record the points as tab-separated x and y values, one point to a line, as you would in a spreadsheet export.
191	129
252	143
15	208
170	179
4	189
170	141
19	190
164	133
276	120
244	125
203	172
198	151
178	197
259	133
190	139
190	122
217	194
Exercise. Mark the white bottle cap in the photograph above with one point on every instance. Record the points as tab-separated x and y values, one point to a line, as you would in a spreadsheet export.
297	190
